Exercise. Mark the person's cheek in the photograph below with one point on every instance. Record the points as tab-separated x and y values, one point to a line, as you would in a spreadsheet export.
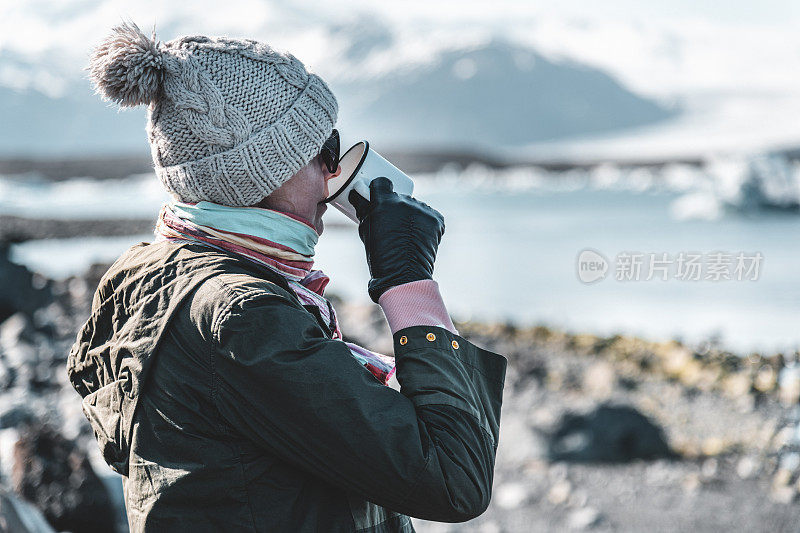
324	192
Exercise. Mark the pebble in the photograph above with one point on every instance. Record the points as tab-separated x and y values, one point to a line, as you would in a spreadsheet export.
745	404
782	479
543	416
582	519
782	490
766	378
518	442
599	380
783	495
789	385
713	446
747	467
535	467
660	473
558	471
490	527
77	288
782	438
709	468
510	495
675	360
559	492
578	498
736	385
691	483
15	333
790	462
691	374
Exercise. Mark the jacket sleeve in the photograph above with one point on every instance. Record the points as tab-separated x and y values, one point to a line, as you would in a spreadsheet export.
427	451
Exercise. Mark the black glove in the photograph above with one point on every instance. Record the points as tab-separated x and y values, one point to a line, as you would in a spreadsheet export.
400	234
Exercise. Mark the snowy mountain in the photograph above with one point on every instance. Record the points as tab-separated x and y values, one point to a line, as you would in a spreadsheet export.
487	96
557	79
78	123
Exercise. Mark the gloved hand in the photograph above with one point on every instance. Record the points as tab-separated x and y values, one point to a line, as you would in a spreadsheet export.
401	236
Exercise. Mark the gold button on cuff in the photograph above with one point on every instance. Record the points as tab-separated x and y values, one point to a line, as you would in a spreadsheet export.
431	337
403	339
455	344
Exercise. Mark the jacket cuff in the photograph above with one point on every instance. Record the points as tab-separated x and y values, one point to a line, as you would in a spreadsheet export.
447	369
417	303
490	365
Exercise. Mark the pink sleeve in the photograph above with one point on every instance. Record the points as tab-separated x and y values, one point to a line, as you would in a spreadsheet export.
417	303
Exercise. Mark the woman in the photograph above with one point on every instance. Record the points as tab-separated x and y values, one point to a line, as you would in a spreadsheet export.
212	367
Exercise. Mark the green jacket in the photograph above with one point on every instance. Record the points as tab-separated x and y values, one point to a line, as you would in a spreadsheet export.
226	406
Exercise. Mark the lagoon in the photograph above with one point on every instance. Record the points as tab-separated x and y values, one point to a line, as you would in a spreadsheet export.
510	250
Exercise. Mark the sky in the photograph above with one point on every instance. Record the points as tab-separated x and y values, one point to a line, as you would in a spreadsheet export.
740	57
778	12
659	48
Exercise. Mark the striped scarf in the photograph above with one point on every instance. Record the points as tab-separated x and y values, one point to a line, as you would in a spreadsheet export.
276	240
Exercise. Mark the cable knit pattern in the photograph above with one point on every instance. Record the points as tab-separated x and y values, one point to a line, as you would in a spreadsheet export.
229	120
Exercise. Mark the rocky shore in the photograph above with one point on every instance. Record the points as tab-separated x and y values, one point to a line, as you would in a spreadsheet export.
19	229
597	433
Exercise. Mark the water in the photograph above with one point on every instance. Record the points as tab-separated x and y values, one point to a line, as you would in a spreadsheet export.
509	253
32	196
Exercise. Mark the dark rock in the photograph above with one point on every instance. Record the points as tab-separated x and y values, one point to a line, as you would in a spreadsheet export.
28	358
609	434
19	229
18	292
110	167
18	343
531	368
14	414
628	384
55	475
94	273
7	374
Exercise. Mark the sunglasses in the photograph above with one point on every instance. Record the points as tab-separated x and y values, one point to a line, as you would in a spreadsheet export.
330	151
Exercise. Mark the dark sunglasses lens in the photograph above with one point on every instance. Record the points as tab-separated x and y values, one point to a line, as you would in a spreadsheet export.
330	151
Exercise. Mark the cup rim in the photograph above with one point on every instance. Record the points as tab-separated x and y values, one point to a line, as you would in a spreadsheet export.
355	170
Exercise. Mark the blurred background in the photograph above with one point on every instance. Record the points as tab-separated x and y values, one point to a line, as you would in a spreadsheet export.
539	129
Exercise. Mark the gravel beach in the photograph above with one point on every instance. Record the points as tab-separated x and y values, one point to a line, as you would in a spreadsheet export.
597	433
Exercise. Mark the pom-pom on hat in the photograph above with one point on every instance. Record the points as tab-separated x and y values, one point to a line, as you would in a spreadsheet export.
228	120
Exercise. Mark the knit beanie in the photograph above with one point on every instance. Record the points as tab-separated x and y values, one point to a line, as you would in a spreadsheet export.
228	120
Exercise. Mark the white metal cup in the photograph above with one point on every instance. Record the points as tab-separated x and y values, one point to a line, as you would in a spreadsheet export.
360	165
